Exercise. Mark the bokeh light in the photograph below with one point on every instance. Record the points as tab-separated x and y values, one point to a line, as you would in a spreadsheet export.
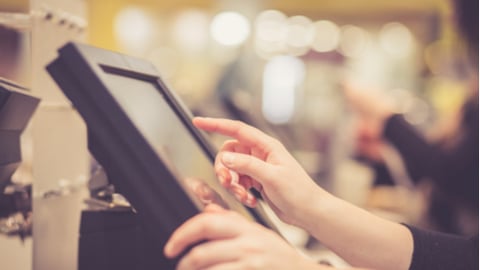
299	36
327	36
281	80
354	41
133	29
230	28
270	33
396	39
190	30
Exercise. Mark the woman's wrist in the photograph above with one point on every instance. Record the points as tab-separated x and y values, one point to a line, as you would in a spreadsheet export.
317	211
358	236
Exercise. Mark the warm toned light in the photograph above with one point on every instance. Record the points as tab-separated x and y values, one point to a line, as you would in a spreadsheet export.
396	39
230	28
190	30
282	78
133	29
327	36
300	33
353	41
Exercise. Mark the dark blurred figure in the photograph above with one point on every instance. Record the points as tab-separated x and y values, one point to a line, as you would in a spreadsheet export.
10	44
451	165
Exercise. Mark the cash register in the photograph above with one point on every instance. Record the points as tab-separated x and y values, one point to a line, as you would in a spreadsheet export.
141	134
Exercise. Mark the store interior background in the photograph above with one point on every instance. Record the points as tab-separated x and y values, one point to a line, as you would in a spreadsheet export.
277	64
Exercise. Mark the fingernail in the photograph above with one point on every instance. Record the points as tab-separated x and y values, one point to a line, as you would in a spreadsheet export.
205	190
234	177
228	159
239	197
251	201
224	177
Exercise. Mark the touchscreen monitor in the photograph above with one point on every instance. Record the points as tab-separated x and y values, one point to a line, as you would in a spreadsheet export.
186	156
141	133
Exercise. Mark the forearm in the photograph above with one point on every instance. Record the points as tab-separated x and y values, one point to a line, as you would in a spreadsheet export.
453	169
416	151
361	238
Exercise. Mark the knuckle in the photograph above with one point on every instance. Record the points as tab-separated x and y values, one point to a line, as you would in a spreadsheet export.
228	144
203	224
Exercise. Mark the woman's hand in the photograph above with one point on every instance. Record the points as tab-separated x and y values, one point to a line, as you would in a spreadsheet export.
204	193
263	163
233	243
371	109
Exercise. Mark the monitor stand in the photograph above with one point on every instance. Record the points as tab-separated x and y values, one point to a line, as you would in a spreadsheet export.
112	236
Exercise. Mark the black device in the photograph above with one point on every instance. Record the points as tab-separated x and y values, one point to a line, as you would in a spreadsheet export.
141	133
16	108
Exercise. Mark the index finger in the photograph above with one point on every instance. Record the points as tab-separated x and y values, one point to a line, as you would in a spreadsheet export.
244	133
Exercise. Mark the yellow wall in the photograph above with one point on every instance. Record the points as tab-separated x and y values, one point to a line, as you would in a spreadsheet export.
14	5
101	14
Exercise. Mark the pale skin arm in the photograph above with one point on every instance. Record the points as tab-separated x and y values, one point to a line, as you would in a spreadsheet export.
262	162
362	239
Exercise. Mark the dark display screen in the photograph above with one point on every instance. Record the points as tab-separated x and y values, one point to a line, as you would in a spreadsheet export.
172	141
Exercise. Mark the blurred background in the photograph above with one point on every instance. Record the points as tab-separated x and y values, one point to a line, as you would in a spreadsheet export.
276	64
280	64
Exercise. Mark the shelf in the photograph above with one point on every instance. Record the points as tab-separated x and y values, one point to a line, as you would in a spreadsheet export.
16	20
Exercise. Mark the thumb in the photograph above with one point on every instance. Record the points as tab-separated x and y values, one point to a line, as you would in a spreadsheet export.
257	169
